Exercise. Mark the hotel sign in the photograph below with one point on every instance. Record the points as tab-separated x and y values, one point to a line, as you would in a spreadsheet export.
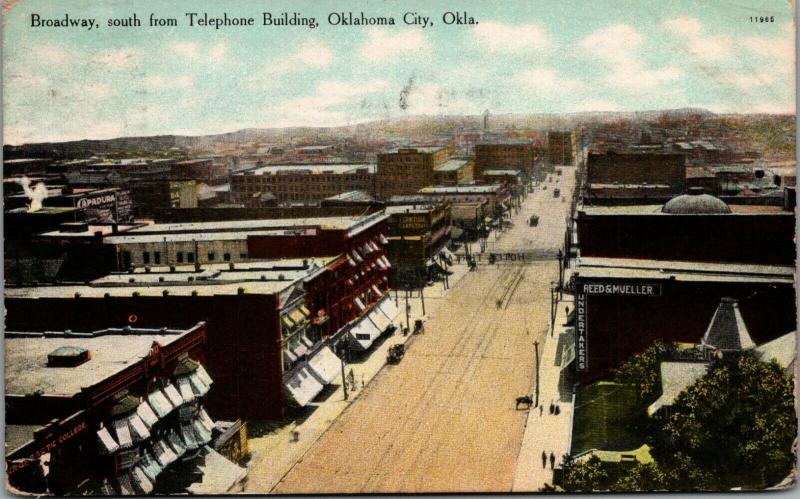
607	289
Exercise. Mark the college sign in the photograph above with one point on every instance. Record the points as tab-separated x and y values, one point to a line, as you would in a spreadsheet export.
607	289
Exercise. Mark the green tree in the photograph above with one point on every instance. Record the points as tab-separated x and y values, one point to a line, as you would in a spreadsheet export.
735	426
587	476
643	371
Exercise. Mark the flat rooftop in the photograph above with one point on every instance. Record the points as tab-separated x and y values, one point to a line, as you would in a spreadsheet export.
461	189
111	350
349	223
506	141
90	231
502	172
310	169
257	277
451	165
414	149
624	268
655	209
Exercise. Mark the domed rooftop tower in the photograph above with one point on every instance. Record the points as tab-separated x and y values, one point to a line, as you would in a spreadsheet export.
694	203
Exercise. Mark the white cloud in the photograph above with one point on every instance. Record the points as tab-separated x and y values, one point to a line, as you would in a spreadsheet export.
315	109
96	91
52	54
778	51
501	37
311	54
750	80
314	54
119	58
381	44
217	52
617	46
548	81
188	50
699	44
161	82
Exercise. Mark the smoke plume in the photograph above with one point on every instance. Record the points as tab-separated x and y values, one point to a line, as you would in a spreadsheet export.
35	195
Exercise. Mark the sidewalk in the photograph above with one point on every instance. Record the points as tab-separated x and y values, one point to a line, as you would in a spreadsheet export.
277	445
543	431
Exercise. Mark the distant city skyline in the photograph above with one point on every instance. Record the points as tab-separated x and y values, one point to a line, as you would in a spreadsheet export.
529	57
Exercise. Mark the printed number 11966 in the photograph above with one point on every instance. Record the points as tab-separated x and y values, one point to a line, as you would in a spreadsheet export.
762	19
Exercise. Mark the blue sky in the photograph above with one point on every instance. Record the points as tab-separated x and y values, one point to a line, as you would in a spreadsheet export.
526	56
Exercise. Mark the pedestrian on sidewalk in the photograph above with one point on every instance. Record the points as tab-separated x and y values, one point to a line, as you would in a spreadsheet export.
558	411
544	460
552	460
552	408
541	410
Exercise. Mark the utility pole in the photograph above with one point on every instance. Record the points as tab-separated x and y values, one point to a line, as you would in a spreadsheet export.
553	292
408	311
344	381
536	347
422	297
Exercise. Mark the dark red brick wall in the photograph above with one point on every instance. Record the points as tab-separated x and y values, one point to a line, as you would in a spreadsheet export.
243	339
620	326
656	168
735	238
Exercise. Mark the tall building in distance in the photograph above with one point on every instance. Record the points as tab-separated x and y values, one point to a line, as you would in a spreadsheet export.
408	169
560	148
506	154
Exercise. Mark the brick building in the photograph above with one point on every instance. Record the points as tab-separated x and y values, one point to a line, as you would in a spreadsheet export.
613	176
406	170
417	234
112	411
560	147
454	172
511	153
307	183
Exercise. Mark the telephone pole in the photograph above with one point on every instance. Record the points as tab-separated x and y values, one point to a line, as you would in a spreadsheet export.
536	347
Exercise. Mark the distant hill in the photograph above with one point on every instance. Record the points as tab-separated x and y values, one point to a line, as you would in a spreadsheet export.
412	128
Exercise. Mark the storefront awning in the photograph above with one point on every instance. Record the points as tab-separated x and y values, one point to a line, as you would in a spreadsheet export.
359	303
325	365
303	386
385	261
383	239
219	475
363	333
351	261
375	290
356	256
388	308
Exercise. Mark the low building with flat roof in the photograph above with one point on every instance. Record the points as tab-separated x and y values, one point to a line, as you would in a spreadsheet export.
454	172
112	411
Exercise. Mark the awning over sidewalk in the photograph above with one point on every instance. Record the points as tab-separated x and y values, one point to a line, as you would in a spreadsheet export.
303	386
388	308
220	475
363	333
325	365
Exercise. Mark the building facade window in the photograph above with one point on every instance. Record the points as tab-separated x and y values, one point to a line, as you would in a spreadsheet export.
211	256
146	257
179	256
190	257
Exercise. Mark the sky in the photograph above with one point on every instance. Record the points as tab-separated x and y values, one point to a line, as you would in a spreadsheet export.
522	57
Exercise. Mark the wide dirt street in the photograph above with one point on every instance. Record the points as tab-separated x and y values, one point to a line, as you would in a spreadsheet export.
443	420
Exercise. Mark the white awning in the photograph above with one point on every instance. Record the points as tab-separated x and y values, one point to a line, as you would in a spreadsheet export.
160	403
374	246
350	261
164	454
146	413
385	261
356	256
302	386
107	443
381	264
140	481
138	429
219	475
325	365
388	308
446	252
359	303
185	389
123	433
203	375
364	333
376	290
383	239
172	394
150	466
199	386
380	321
176	443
